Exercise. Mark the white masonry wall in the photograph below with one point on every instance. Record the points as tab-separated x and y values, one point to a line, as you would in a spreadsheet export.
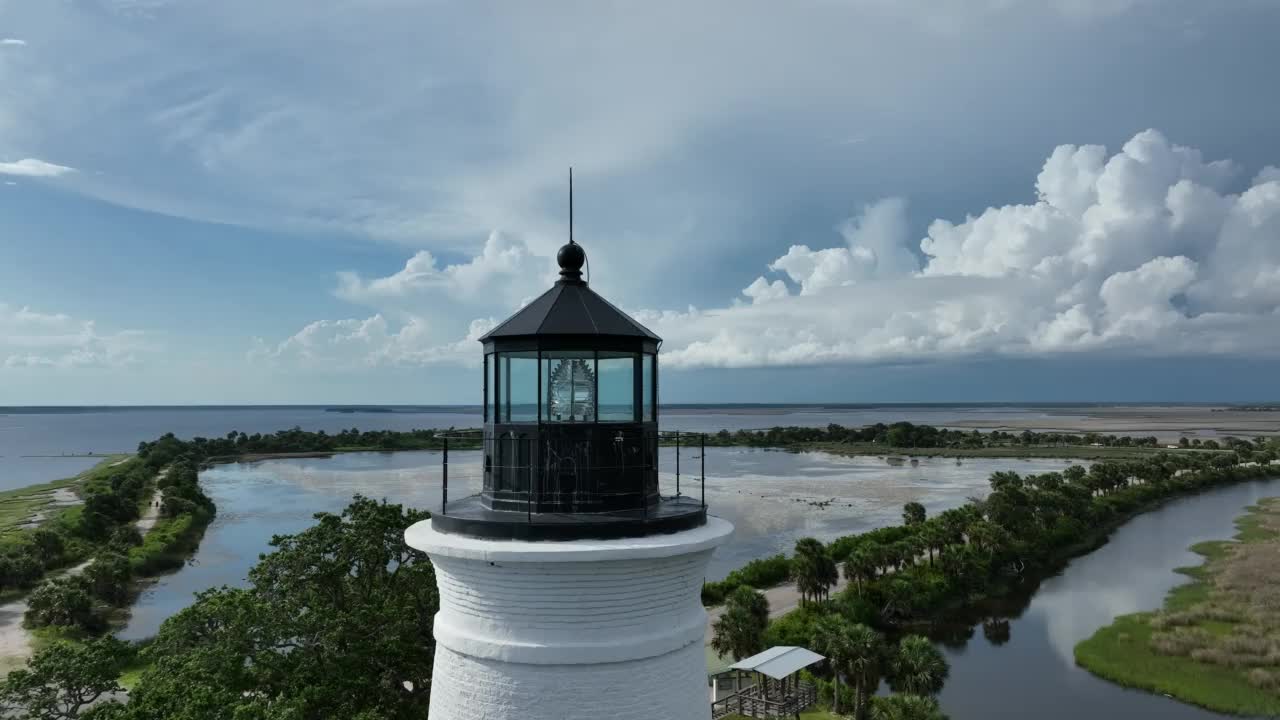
577	630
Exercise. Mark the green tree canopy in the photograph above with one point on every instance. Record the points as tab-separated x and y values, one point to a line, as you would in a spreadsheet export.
917	667
906	707
739	631
62	679
64	602
336	622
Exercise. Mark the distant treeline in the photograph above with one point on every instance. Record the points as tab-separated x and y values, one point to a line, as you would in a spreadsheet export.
910	435
896	435
296	440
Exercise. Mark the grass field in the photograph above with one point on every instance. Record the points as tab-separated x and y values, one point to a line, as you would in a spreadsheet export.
17	506
1214	643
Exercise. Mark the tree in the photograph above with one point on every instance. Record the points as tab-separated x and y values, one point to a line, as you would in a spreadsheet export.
739	631
64	602
906	707
913	513
814	570
917	667
336	622
47	546
862	664
833	637
62	679
860	568
108	578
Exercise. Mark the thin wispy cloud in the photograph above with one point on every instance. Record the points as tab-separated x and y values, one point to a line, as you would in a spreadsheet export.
12	42
31	167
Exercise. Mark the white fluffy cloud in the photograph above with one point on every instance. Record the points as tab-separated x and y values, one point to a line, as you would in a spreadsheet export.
371	342
41	340
875	247
503	269
31	167
1145	250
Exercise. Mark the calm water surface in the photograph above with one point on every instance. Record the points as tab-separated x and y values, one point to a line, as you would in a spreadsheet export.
1033	674
113	430
766	494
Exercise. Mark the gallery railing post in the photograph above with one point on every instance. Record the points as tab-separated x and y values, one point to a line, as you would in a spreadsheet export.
444	494
702	458
677	460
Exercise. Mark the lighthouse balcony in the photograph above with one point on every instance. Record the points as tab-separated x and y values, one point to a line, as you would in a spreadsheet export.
585	481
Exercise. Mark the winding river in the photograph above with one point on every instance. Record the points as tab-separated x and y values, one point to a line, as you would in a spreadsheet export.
1027	670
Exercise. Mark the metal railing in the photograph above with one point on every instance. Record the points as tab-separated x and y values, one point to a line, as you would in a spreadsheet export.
547	470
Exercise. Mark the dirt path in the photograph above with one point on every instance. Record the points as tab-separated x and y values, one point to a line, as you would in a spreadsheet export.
15	642
152	514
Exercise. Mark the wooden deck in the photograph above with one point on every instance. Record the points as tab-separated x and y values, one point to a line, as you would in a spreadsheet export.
753	703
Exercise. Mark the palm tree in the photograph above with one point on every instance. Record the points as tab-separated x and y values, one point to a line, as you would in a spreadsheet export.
860	567
862	664
814	569
739	631
917	668
906	707
831	638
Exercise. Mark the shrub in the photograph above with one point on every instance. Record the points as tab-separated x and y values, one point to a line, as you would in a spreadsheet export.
65	602
108	579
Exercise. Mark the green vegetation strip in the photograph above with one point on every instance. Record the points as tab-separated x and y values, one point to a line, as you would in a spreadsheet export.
1216	642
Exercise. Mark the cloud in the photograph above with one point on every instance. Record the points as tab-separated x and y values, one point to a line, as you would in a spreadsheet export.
1141	251
12	42
370	342
33	339
505	268
31	167
876	246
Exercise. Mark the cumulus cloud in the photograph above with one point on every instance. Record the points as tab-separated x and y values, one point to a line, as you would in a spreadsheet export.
504	267
31	167
371	342
1145	250
875	247
42	340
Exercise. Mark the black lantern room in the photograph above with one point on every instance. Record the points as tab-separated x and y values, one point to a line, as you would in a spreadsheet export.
570	423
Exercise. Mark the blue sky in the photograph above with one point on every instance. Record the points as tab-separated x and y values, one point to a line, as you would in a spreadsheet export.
845	200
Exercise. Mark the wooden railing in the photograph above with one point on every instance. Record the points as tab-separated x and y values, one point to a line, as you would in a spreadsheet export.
750	703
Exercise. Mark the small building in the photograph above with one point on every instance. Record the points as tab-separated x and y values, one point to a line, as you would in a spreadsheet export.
777	690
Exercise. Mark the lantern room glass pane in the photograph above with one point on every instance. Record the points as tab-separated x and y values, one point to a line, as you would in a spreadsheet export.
519	383
617	373
568	387
490	371
646	390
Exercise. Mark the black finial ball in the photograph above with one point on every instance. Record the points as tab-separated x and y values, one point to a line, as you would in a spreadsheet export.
571	257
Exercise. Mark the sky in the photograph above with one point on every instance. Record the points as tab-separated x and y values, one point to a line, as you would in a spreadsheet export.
328	201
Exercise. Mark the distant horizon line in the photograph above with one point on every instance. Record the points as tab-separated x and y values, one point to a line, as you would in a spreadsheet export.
680	405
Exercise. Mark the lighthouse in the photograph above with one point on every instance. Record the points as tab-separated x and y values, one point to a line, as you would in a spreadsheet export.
570	587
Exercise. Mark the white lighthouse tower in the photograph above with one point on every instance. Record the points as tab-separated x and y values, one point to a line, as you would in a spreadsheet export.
570	587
